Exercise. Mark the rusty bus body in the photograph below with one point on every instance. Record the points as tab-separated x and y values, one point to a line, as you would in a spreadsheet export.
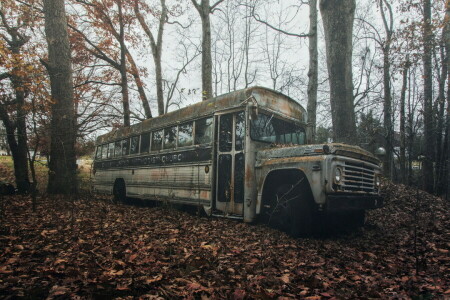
240	155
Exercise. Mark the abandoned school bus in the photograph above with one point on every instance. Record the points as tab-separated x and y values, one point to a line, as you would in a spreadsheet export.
241	155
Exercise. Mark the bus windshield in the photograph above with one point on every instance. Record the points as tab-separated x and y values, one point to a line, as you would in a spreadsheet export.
270	129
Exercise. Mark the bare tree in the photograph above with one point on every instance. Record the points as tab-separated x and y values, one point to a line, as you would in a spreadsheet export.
123	65
388	23
402	159
428	174
313	73
156	45
313	60
12	106
205	9
114	51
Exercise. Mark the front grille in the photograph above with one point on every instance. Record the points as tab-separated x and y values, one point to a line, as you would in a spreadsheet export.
358	177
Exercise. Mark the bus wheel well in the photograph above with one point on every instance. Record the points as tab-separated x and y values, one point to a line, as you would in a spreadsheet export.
278	178
287	202
119	190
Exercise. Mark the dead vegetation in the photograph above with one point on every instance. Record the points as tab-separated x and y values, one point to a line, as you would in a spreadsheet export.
91	248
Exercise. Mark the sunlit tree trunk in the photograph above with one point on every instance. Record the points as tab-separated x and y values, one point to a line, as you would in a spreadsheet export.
62	165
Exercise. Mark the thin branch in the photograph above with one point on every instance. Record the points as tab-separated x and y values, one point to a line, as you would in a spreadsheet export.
257	18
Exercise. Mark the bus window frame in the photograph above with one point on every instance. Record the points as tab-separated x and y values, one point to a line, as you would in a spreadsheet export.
175	138
108	154
192	134
138	144
149	134
162	140
211	133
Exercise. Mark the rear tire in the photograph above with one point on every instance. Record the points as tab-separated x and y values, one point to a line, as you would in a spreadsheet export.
119	191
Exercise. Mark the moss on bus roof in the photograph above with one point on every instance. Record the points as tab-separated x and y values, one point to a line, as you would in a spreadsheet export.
208	108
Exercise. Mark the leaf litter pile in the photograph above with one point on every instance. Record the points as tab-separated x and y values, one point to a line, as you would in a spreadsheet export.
91	248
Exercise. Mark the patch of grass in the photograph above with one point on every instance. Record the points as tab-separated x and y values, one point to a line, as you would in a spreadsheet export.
41	167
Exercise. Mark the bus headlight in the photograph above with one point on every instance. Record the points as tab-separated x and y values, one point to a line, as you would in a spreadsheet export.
337	175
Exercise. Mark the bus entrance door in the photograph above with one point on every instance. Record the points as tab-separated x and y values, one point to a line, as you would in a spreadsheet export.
230	164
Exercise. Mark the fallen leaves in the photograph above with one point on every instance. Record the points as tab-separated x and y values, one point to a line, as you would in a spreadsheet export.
91	248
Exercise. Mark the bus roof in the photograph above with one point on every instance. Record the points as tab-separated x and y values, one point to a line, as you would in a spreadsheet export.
266	98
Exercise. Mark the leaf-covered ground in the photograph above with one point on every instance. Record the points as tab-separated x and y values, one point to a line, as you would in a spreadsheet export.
91	248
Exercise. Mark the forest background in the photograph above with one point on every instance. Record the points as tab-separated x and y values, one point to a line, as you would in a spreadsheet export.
132	60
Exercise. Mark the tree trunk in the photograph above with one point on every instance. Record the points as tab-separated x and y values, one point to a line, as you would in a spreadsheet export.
18	152
429	147
440	132
338	16
387	109
410	128
21	155
313	70
62	165
402	123
123	68
156	46
446	147
140	86
204	10
159	82
387	116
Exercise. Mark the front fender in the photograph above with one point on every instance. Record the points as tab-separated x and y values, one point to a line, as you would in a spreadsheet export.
312	168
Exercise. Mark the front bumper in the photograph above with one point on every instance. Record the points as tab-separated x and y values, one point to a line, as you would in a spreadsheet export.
353	202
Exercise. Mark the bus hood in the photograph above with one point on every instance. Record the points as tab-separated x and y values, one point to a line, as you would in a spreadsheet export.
280	151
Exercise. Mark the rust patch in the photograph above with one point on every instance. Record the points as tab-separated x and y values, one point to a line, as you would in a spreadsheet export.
204	195
286	160
248	175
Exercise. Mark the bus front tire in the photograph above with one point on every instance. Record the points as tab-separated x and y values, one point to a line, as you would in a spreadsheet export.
291	211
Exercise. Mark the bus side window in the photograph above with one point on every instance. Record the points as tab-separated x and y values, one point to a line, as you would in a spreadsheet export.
104	151
203	131
170	137
145	142
98	153
125	146
118	149
134	144
185	136
157	137
110	150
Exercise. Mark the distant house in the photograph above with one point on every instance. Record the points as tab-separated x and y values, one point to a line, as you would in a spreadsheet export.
4	149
